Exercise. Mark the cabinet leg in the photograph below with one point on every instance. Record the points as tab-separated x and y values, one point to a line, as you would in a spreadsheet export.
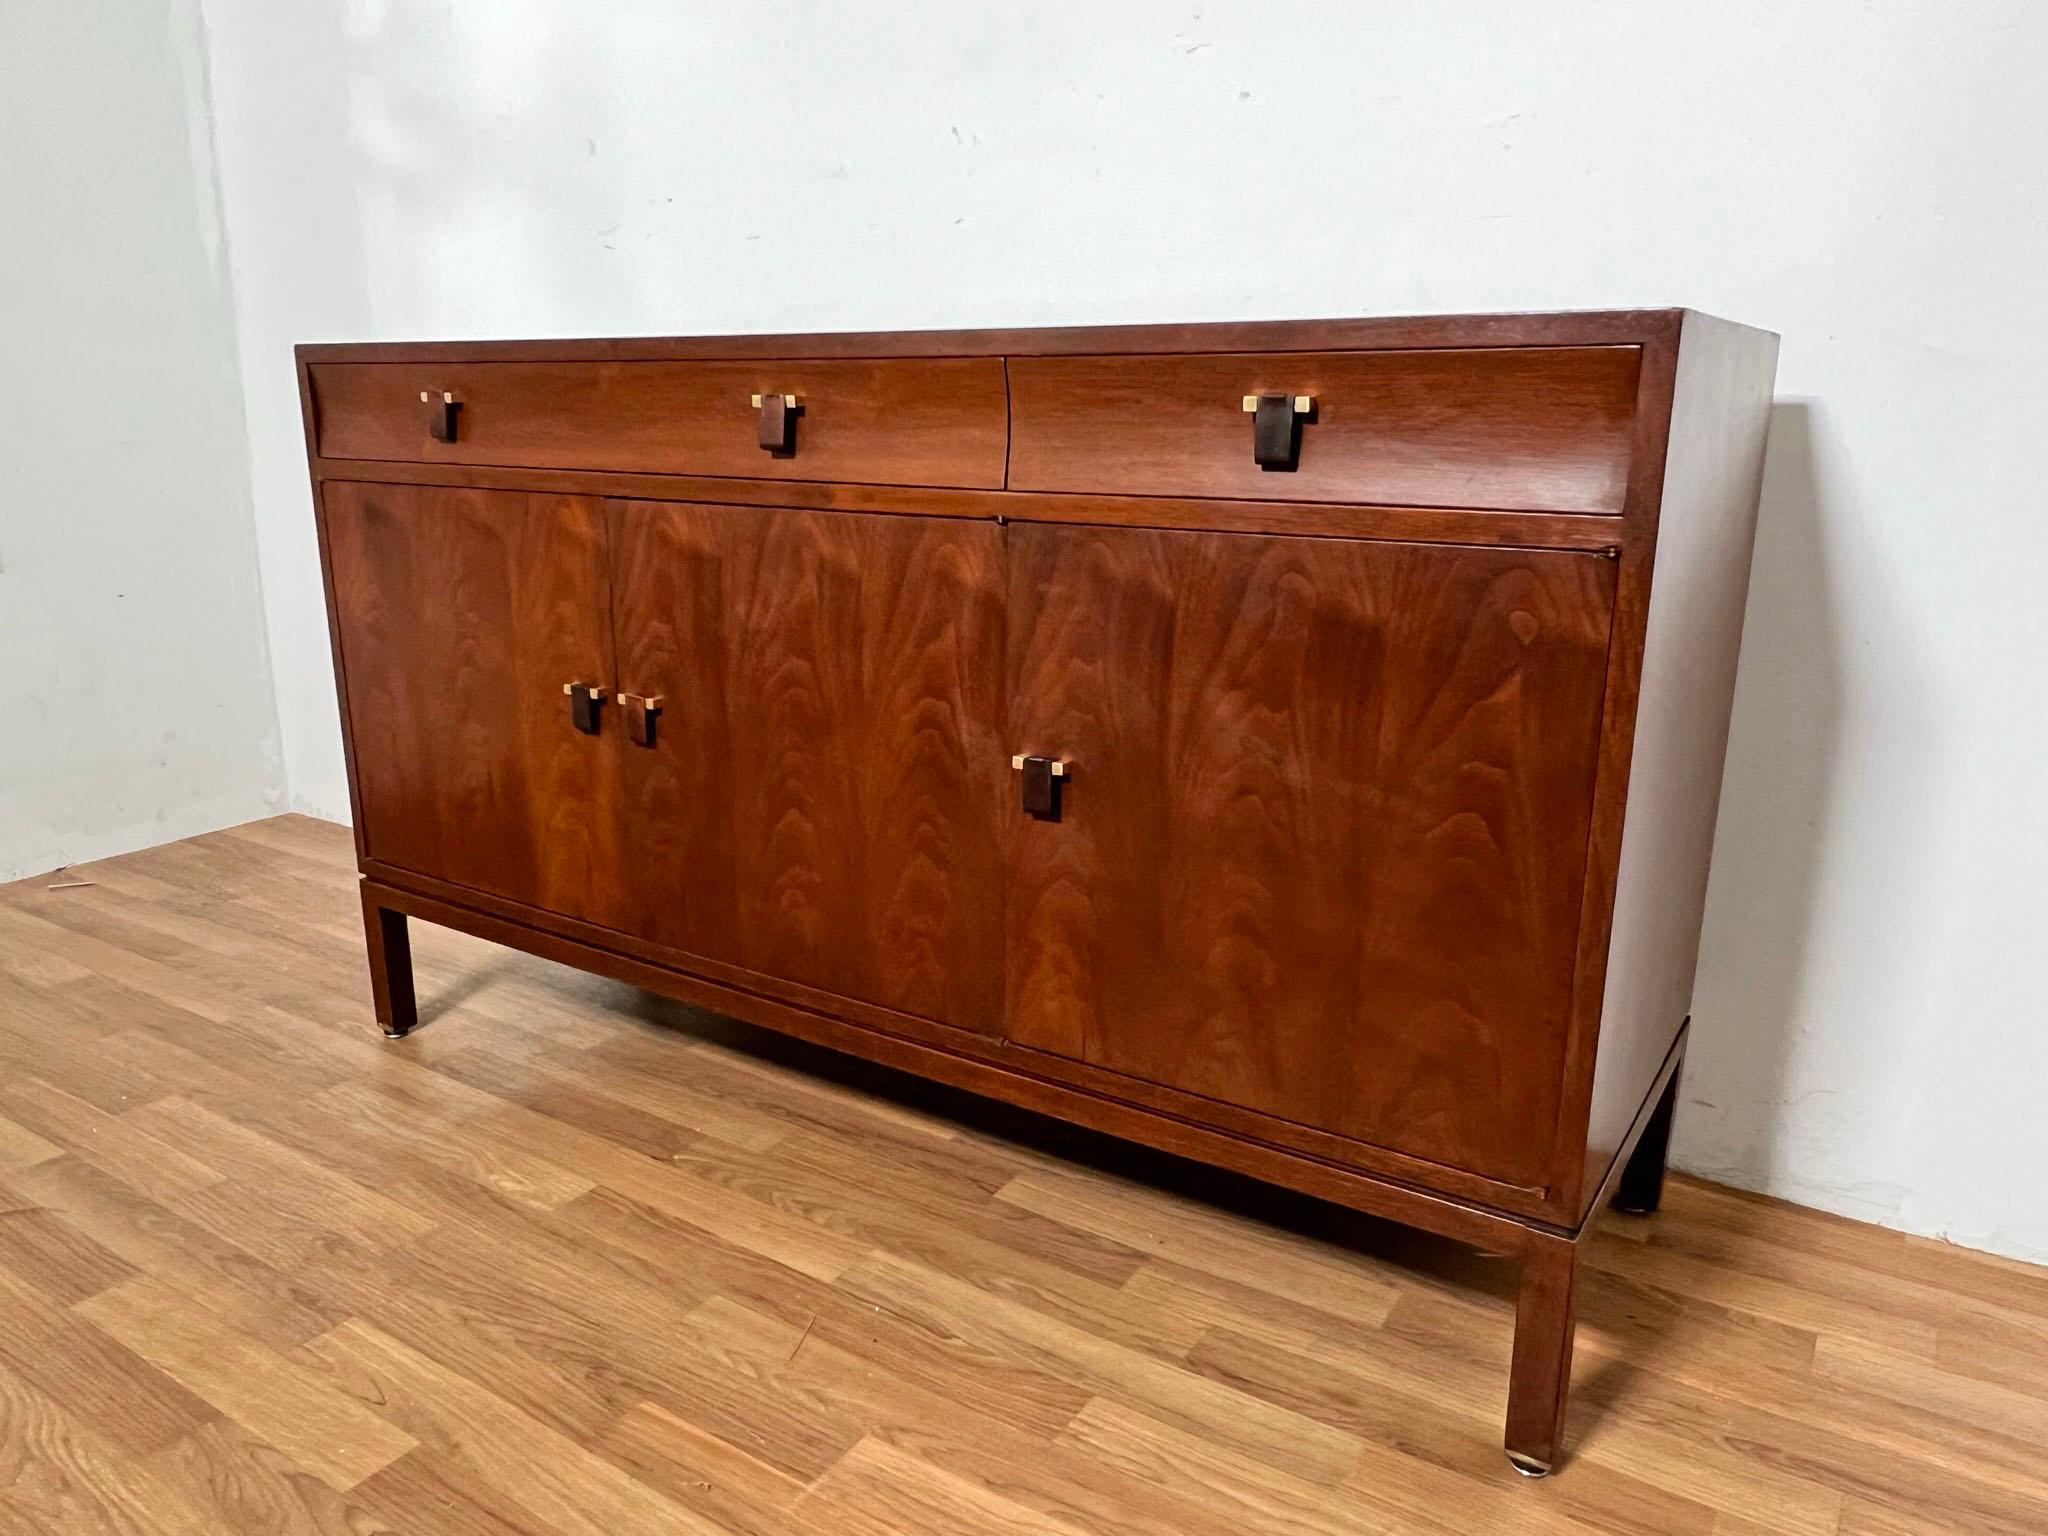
1541	1377
1641	1185
390	948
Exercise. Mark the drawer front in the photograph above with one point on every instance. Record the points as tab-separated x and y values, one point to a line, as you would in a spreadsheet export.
895	422
1535	429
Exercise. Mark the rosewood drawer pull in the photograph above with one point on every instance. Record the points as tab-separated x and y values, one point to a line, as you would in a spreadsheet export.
1276	427
441	407
1042	779
585	701
778	423
642	710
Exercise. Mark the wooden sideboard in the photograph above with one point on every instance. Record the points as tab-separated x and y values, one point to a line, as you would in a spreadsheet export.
1292	745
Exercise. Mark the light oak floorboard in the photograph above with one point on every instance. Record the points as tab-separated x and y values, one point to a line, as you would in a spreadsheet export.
576	1259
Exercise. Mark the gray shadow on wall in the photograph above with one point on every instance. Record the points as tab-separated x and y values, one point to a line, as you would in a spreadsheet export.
1783	748
1781	807
1778	804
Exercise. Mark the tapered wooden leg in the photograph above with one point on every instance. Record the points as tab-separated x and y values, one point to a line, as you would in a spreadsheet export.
390	947
1641	1185
1545	1320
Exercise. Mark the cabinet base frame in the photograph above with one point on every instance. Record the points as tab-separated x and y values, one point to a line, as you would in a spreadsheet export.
1546	1304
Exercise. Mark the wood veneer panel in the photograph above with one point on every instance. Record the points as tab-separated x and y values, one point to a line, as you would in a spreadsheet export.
460	615
1068	1072
1541	428
1445	525
1321	846
824	796
908	422
1096	1109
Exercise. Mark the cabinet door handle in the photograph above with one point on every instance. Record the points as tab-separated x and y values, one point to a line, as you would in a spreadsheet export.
1276	428
586	700
642	710
442	407
778	423
1043	777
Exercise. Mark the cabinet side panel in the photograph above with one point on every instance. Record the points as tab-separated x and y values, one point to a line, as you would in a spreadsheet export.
1706	531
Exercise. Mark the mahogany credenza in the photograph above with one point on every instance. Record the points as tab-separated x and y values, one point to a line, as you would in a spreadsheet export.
1292	745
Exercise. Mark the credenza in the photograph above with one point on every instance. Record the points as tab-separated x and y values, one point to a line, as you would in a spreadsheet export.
1292	745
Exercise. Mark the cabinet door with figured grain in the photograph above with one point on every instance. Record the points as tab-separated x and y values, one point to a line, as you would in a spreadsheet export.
820	801
461	615
1323	836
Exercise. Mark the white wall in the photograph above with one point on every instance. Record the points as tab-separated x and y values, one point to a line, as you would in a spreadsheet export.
1866	178
135	691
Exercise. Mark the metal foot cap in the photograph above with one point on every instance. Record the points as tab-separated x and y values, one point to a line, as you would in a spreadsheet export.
1528	1466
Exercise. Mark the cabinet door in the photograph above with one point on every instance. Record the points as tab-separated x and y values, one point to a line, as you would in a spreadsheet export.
821	801
462	614
1322	843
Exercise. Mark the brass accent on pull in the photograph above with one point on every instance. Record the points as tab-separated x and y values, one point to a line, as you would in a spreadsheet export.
1276	428
442	407
586	700
1042	779
778	423
642	710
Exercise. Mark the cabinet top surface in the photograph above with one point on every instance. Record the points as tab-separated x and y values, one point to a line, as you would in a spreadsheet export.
1555	328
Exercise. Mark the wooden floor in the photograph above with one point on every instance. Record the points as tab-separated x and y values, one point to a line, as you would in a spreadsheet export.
574	1260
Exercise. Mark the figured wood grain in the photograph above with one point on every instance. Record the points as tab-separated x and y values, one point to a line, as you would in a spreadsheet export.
1111	1102
461	616
1540	429
1443	525
824	797
1322	839
1182	1121
936	422
1743	1365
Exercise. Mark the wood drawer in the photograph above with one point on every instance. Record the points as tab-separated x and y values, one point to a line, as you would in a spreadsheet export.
1525	428
885	422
